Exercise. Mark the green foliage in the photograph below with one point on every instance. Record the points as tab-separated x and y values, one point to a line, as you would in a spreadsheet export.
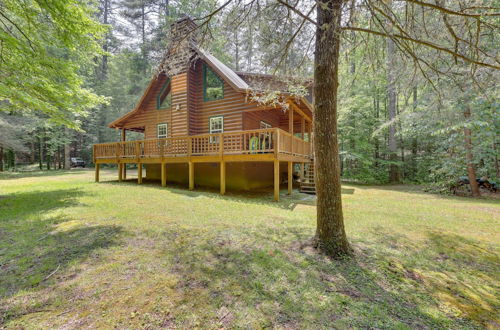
44	46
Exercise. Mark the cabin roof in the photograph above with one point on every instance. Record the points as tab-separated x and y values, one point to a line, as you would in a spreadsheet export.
263	81
240	81
230	76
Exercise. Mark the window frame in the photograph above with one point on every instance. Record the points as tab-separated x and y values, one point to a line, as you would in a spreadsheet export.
158	130
204	83
158	97
215	139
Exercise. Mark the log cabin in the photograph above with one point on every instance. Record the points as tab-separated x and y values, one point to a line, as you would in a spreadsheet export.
202	124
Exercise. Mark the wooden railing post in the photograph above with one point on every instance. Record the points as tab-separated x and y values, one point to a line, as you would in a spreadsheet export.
190	146
277	142
221	145
137	150
162	146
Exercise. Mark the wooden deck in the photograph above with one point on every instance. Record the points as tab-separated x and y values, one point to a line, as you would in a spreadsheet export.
272	145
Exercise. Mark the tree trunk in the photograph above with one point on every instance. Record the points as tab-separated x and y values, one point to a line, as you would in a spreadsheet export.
377	143
414	144
330	232
471	172
32	154
236	50
40	153
391	98
497	164
1	159
67	164
105	46
250	48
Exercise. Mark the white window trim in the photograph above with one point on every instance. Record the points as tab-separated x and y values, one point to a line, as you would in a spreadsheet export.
215	139
158	130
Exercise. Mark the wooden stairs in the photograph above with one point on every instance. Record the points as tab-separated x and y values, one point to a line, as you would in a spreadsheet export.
307	184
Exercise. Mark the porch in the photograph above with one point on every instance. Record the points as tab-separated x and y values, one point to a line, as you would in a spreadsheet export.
262	145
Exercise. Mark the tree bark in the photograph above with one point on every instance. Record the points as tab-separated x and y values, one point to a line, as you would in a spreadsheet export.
471	172
330	232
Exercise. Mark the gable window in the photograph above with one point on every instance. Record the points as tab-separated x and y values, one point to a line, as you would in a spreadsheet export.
213	85
162	131
216	125
164	98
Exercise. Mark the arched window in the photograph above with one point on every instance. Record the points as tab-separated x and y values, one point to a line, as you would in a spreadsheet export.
213	85
164	98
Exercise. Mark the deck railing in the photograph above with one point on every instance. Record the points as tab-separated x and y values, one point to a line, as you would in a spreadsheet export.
261	141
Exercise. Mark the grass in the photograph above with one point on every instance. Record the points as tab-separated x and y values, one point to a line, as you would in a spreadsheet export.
74	253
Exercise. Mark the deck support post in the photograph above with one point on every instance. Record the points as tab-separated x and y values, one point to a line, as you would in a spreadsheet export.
276	180
139	173
124	165
290	128
191	175
163	174
222	177
290	177
97	172
302	165
120	172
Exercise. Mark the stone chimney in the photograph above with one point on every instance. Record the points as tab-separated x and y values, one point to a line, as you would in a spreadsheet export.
184	37
184	29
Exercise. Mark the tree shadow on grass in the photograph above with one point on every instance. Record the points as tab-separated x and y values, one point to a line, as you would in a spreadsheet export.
262	197
20	206
31	174
279	283
460	275
34	245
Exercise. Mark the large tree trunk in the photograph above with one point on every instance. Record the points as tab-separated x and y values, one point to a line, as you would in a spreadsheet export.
391	98
330	232
471	172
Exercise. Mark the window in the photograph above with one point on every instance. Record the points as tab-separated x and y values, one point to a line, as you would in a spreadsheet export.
264	125
162	131
216	125
164	98
213	85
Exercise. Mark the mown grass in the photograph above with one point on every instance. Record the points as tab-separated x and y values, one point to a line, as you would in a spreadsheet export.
78	254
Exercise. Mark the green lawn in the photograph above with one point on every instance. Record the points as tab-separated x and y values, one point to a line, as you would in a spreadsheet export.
74	253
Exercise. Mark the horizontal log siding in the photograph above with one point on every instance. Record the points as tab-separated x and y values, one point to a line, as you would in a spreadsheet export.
189	114
231	106
148	116
194	89
179	105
